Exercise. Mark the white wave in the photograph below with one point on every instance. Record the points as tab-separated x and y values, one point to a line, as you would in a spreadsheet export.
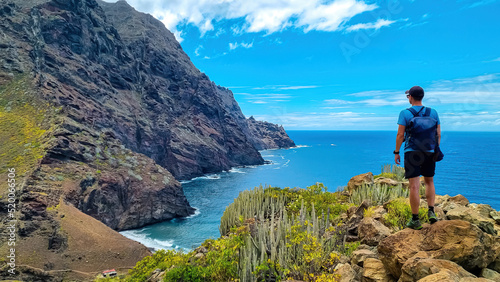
142	238
213	176
301	146
251	166
185	181
268	156
236	170
333	145
208	176
286	164
196	212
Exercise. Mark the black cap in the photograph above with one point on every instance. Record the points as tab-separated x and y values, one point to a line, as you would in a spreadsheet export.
416	91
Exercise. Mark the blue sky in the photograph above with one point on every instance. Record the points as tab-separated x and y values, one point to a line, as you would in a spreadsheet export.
345	64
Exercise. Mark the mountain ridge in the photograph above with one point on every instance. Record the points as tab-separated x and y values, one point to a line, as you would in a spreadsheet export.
107	120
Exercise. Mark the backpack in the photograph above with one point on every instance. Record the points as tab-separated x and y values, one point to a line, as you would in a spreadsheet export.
421	131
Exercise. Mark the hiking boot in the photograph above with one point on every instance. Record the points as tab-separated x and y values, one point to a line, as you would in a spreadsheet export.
432	217
414	224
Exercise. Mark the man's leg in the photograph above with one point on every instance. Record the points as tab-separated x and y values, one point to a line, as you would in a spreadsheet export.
414	194
430	194
430	190
413	162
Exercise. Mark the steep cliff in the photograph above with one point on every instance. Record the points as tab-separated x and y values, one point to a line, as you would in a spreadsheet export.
102	111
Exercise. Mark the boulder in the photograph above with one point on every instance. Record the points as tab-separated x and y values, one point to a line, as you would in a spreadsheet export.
419	267
354	220
473	216
496	216
156	276
345	272
495	265
453	202
443	276
359	256
490	274
455	240
483	210
374	270
371	231
469	279
359	180
459	199
439	213
378	213
439	200
386	181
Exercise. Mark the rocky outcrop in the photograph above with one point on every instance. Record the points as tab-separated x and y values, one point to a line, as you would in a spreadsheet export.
265	135
462	246
371	231
373	270
453	240
421	266
359	180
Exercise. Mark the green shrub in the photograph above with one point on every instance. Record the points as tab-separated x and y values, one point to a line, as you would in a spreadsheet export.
386	175
348	248
220	263
399	212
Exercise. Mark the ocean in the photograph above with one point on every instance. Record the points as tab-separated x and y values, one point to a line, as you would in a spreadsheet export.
471	167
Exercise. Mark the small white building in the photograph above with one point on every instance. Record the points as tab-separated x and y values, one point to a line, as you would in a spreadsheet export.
109	273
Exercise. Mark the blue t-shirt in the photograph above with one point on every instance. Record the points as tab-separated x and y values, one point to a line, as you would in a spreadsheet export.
406	115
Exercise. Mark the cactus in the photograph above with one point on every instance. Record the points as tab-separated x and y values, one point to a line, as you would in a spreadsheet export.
377	194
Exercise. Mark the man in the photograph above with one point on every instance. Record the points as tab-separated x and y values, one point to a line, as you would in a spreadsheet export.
418	157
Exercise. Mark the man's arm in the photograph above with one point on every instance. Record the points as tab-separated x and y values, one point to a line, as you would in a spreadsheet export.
400	138
439	133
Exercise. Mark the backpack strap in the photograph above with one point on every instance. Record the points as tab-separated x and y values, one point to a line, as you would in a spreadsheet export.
427	112
415	113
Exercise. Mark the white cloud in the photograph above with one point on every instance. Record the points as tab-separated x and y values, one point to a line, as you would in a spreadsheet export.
286	87
298	87
377	93
257	15
197	50
329	120
338	102
265	98
395	100
235	45
480	3
375	25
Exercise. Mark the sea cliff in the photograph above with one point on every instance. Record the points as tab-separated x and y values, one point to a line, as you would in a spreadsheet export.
101	114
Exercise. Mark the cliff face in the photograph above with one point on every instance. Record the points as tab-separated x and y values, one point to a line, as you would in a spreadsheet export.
102	110
268	135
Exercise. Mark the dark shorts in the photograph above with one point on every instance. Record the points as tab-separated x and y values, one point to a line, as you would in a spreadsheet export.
419	163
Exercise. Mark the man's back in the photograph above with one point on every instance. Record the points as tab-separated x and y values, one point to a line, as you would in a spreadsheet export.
405	117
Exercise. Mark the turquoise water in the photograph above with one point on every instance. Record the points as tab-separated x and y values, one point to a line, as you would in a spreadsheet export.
471	167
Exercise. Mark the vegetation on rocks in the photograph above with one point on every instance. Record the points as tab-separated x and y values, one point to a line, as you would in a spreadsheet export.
399	211
25	124
273	234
